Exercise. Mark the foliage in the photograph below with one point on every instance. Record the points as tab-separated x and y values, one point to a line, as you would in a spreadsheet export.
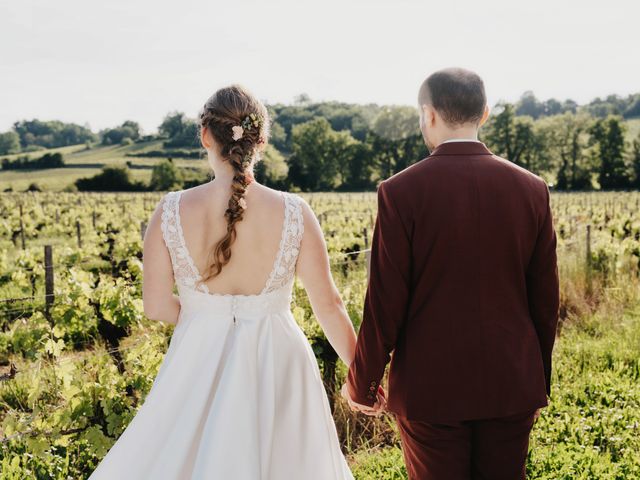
635	163
272	169
179	130
628	107
128	130
48	160
165	176
319	154
9	142
607	137
110	179
84	370
51	134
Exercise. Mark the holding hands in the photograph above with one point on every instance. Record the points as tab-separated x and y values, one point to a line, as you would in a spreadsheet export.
376	410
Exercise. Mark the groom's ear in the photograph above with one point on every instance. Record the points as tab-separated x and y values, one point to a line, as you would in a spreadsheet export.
485	115
429	115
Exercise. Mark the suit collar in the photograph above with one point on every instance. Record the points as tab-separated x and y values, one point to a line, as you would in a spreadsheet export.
461	148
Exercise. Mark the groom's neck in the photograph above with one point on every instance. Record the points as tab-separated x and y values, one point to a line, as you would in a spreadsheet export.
466	133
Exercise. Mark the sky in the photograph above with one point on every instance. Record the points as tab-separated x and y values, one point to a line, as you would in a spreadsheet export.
99	63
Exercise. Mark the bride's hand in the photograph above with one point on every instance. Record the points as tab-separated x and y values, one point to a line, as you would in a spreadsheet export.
376	410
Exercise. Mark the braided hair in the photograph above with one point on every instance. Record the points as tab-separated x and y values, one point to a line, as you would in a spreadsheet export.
239	123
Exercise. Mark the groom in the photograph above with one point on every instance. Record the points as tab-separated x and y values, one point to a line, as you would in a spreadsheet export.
464	293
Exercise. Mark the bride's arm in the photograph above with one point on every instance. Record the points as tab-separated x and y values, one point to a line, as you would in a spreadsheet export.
160	303
314	272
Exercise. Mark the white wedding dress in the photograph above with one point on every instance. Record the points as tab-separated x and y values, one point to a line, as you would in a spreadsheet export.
238	395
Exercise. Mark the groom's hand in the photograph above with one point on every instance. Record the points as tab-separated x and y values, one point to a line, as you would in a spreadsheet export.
375	410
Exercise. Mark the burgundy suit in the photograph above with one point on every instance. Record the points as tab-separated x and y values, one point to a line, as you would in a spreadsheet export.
463	290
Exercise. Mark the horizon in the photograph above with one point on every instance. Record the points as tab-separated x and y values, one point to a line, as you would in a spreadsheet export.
292	103
104	64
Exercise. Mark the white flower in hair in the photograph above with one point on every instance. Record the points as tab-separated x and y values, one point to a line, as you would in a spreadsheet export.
243	203
238	131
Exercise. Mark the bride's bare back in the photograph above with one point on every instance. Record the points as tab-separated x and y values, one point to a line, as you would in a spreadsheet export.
253	255
258	235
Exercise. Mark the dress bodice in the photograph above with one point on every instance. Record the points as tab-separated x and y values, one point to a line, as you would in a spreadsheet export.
277	289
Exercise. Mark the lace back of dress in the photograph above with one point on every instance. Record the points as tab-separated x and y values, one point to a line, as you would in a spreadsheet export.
285	265
184	270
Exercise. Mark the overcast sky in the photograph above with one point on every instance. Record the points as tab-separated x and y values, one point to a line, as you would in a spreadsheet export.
103	62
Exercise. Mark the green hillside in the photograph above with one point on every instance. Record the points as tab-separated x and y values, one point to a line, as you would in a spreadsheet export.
82	162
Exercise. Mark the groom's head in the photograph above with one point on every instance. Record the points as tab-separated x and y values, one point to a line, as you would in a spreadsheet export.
452	104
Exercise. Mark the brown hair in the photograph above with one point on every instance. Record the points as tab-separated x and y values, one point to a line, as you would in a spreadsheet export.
456	94
228	107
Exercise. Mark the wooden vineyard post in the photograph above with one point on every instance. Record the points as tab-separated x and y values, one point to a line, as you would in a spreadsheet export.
367	253
48	280
93	219
143	229
22	229
78	233
588	259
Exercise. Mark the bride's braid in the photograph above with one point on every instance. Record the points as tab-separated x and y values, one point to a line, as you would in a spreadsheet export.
229	112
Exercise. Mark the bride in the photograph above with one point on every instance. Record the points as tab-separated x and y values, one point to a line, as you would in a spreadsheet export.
238	394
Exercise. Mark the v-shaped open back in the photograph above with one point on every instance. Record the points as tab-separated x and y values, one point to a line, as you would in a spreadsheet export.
187	274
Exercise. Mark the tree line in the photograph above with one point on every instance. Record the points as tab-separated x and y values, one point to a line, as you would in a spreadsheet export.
24	162
341	146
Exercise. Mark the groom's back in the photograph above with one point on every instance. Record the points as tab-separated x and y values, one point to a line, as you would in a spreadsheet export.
469	346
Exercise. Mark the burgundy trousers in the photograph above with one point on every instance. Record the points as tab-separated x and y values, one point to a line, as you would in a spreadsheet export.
490	449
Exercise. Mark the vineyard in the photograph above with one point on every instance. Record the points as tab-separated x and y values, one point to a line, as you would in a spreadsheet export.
77	355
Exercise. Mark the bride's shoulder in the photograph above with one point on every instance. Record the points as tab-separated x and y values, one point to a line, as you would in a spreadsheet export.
290	195
300	201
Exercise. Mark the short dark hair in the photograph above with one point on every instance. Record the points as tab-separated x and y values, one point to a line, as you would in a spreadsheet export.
456	94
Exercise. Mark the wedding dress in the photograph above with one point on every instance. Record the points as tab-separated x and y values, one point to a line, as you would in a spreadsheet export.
238	395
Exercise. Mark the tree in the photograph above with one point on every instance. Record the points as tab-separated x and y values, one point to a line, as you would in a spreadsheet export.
635	162
552	107
115	179
569	106
179	131
128	130
360	169
565	142
396	123
48	160
511	137
529	105
633	110
302	99
272	169
320	155
9	142
278	136
165	176
607	140
51	134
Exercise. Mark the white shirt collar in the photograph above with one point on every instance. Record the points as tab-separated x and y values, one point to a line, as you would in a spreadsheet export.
462	140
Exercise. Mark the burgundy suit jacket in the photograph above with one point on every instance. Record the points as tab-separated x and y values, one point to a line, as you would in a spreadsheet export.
463	294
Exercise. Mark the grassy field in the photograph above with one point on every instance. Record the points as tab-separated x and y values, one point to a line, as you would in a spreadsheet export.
82	162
